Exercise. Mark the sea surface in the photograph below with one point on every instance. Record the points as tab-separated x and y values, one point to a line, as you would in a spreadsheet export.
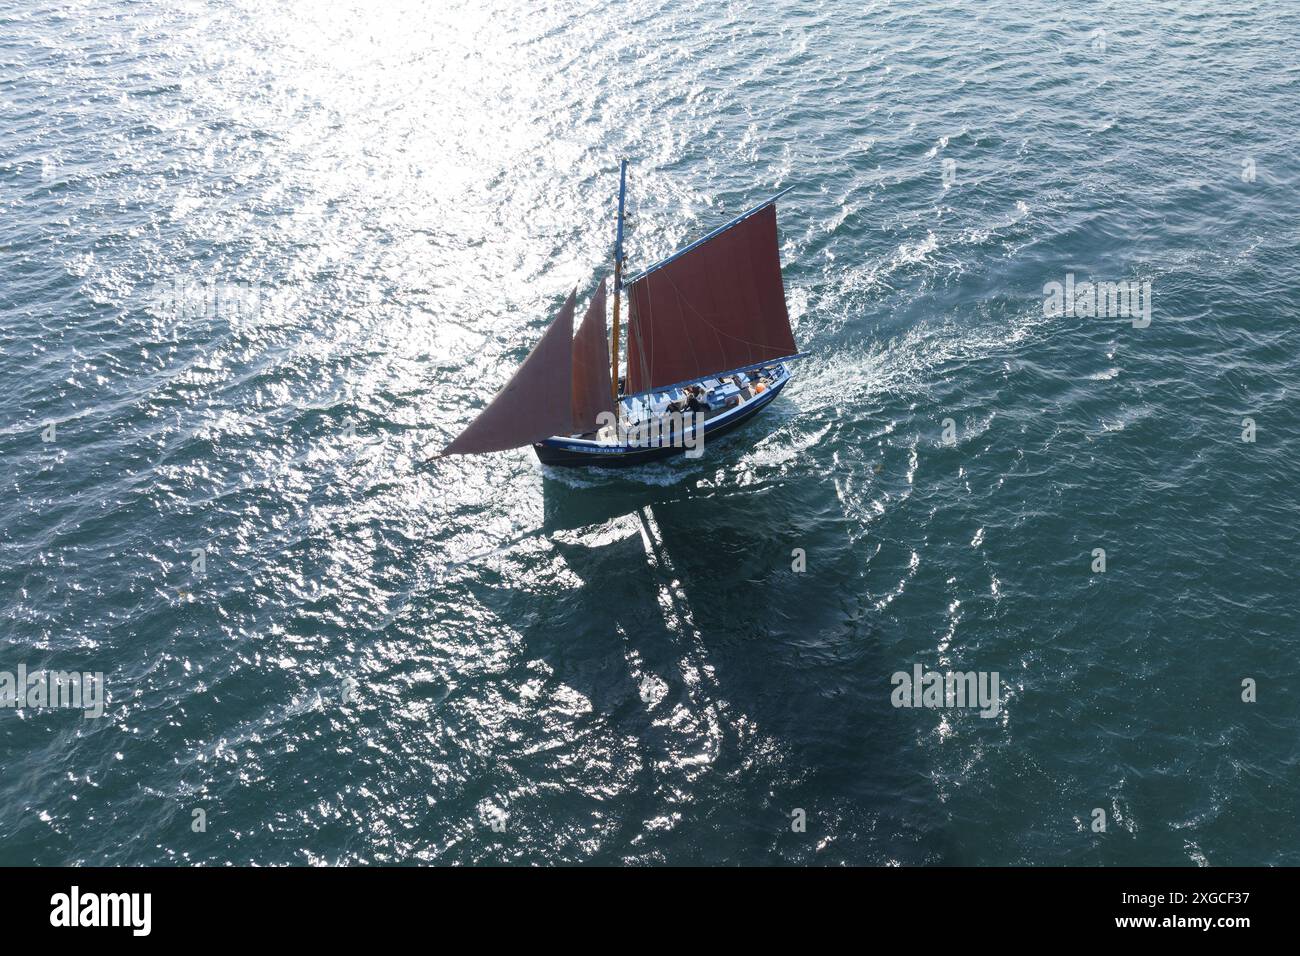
258	261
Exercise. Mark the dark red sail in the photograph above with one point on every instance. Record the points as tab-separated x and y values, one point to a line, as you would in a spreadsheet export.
591	390
715	307
536	403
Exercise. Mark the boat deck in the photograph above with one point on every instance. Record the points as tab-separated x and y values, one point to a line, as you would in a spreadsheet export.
726	397
639	441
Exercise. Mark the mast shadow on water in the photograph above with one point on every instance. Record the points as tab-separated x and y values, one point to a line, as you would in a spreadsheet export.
775	683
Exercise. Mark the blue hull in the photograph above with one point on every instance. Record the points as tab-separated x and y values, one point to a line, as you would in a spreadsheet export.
566	453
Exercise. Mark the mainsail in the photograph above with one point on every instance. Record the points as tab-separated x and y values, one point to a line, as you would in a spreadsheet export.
536	403
591	391
716	306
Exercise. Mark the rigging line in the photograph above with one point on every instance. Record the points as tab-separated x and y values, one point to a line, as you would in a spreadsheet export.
695	358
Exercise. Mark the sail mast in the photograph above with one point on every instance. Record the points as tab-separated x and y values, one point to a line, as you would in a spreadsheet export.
618	281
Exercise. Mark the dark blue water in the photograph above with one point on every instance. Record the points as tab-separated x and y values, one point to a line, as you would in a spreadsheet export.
257	260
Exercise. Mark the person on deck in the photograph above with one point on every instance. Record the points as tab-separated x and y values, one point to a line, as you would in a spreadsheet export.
694	399
691	403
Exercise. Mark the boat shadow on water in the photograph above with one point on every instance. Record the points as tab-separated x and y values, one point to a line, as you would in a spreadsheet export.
740	681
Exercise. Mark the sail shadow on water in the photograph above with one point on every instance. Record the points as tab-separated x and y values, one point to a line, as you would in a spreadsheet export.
664	629
738	690
805	653
617	637
661	667
593	634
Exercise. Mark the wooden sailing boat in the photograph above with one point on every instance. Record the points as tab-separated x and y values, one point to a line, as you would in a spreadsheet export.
708	330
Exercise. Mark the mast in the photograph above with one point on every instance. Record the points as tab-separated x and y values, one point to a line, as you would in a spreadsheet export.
618	281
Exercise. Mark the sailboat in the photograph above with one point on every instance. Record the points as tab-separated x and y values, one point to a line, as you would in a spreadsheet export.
708	339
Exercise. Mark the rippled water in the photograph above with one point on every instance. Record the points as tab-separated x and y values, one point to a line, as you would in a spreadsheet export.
381	658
